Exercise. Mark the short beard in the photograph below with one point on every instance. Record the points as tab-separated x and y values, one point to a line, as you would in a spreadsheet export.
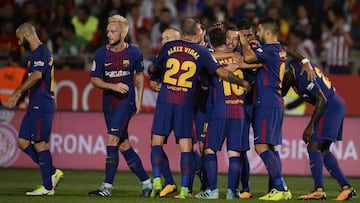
115	43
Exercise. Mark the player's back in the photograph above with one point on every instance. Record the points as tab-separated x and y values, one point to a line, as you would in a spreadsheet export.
228	98
181	62
42	60
307	89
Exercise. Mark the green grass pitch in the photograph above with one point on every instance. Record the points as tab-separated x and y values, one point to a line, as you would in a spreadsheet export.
76	184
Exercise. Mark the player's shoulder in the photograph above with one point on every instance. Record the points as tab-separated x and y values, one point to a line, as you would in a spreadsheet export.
42	50
134	50
101	49
41	53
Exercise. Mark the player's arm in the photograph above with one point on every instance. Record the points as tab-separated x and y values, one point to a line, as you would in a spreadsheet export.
154	71
317	114
140	90
155	86
248	54
285	89
117	87
292	105
29	82
306	63
222	55
287	81
229	76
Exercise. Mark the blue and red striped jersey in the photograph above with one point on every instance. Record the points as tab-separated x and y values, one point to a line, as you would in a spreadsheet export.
181	63
42	60
115	67
269	77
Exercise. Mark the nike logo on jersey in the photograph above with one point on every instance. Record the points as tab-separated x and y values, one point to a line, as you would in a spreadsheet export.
114	129
255	138
107	64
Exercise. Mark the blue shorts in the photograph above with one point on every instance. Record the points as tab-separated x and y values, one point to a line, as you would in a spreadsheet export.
330	125
117	120
231	129
268	125
37	122
168	117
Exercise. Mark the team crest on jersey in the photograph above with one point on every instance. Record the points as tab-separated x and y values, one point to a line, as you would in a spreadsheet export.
126	63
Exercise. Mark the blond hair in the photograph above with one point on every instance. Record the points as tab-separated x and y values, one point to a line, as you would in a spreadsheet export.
123	22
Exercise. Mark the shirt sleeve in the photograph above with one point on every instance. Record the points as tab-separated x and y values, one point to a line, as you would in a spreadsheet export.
97	64
41	59
210	62
261	54
139	61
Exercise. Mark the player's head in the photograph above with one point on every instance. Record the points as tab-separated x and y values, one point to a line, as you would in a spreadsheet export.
170	34
217	37
268	29
232	38
190	30
246	27
26	35
117	29
202	33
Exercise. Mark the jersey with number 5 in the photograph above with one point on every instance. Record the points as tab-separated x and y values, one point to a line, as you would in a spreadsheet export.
269	77
181	62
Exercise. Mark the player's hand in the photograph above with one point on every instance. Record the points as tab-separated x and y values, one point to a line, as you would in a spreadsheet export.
243	39
309	71
247	86
253	41
138	108
309	130
155	86
11	103
120	87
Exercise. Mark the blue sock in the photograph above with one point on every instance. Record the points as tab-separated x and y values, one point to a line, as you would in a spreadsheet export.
31	152
245	173
165	170
186	164
112	163
333	167
211	170
316	167
271	163
198	163
276	153
234	171
135	164
45	163
156	160
196	170
204	182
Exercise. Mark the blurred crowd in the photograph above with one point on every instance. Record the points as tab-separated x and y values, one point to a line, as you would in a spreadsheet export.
73	29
